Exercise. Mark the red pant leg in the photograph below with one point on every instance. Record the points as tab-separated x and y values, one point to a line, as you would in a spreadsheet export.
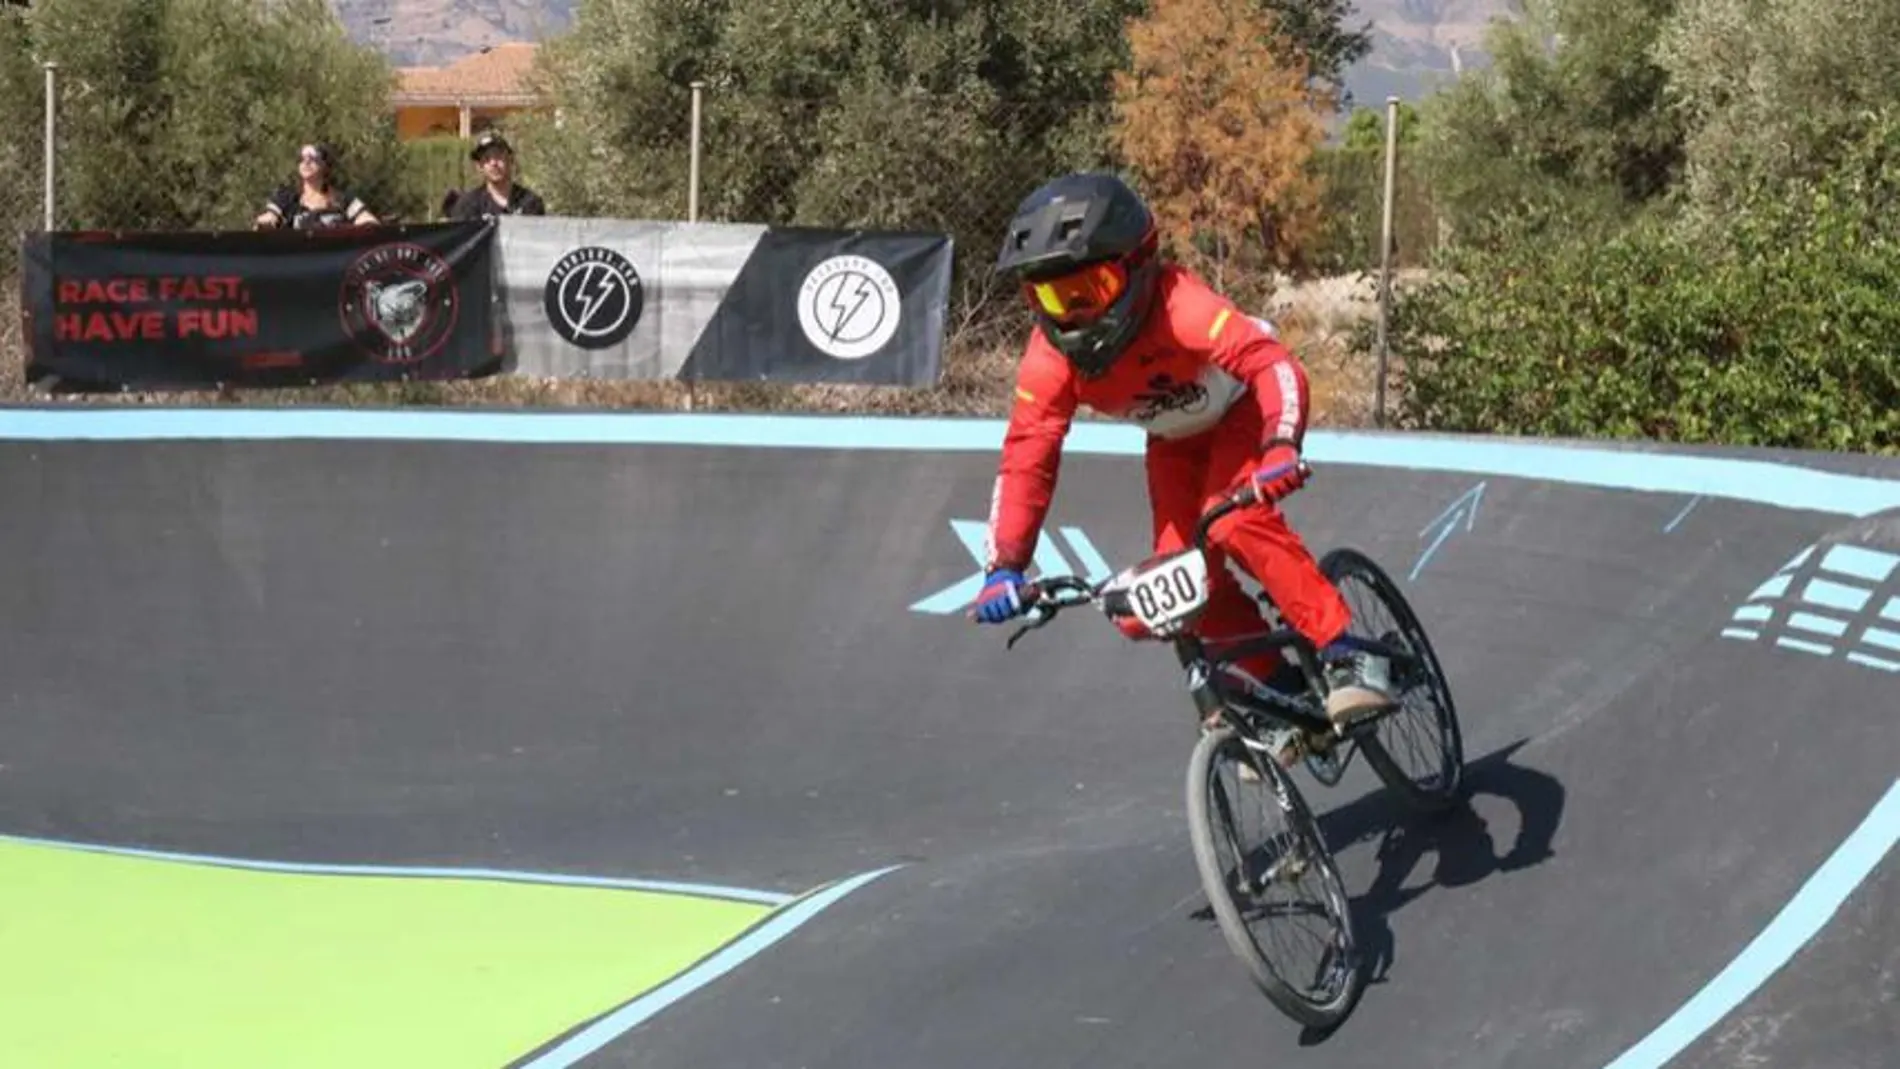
1261	540
1179	472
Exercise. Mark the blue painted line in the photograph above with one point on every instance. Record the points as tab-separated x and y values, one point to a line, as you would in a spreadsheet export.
1820	625
1770	483
1875	636
1773	588
1049	558
1798	921
1860	563
301	868
1094	565
1680	516
1874	662
1464	508
616	1024
1805	646
1469	498
1426	557
974	535
1837	595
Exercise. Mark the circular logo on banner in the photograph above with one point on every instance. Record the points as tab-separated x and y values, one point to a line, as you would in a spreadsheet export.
849	307
398	303
593	297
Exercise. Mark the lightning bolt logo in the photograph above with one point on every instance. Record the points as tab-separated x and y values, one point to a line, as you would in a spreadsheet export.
596	286
863	293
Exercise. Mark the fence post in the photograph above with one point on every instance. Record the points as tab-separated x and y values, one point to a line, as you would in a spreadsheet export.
52	132
1385	252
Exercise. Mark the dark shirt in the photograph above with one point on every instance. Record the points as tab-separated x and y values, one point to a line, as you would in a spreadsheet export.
477	203
288	205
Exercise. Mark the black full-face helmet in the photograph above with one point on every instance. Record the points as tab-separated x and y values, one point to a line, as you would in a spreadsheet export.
1083	248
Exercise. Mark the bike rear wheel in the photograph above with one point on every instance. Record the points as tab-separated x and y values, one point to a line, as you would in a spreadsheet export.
1239	877
1418	749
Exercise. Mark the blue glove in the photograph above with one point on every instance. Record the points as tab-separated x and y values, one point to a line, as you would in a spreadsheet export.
1002	596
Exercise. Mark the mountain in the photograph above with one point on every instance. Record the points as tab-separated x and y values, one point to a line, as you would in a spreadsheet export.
1417	44
437	32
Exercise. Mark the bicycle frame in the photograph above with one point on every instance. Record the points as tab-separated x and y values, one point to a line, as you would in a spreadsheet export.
1216	692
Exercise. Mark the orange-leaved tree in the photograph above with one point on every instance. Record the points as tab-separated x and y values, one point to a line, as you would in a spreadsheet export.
1218	118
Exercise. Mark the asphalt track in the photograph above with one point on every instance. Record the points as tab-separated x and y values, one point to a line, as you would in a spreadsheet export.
677	660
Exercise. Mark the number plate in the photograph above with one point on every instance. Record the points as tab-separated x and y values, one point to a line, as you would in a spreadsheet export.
1169	591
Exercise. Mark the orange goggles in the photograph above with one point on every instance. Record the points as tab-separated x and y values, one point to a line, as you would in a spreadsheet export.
1081	295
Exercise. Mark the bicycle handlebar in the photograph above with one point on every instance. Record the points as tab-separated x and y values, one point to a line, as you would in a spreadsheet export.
1043	607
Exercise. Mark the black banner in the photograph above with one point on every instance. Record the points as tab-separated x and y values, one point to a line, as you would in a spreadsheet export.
830	306
197	310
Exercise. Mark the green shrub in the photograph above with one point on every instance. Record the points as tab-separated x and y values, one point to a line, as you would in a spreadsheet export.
435	165
1780	331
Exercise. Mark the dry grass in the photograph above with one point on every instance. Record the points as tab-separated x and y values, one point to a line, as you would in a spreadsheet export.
1315	319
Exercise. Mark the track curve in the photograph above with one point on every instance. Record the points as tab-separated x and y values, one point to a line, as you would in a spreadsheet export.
617	646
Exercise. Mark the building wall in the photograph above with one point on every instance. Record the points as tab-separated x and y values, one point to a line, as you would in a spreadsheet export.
418	122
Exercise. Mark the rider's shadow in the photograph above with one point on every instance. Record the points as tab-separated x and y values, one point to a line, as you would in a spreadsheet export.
1459	839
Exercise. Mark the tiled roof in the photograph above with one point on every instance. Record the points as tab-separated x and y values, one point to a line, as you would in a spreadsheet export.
498	73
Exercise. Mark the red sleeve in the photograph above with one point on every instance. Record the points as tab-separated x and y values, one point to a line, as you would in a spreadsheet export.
1205	322
1039	419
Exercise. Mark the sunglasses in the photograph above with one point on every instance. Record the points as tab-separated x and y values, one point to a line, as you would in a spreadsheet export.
1080	296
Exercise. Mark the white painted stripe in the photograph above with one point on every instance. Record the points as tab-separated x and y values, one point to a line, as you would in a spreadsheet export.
1741	633
1805	647
1874	662
1754	613
1820	625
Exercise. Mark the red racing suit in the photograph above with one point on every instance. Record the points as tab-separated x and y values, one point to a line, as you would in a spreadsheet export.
1214	390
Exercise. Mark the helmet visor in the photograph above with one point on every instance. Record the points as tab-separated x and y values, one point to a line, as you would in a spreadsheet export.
1080	296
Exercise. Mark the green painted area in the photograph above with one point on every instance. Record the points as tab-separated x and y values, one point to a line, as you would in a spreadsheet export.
118	961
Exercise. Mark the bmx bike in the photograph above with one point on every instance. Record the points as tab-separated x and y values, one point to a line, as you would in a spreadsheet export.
1246	725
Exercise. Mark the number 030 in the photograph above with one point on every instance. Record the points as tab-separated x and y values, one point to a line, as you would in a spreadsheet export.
1166	594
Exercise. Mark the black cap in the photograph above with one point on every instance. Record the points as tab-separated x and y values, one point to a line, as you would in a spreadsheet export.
489	139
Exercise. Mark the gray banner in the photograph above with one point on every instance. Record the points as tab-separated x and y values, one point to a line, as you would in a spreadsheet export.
610	298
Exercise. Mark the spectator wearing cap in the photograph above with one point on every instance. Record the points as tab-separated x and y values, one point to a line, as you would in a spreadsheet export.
499	193
311	200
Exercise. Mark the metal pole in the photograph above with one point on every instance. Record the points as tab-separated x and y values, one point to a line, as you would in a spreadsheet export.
692	178
692	204
52	132
1385	251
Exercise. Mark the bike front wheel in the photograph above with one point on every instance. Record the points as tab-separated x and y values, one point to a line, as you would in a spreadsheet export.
1278	897
1418	749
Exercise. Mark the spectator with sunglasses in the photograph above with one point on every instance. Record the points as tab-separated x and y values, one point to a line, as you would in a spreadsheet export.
1224	404
310	200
